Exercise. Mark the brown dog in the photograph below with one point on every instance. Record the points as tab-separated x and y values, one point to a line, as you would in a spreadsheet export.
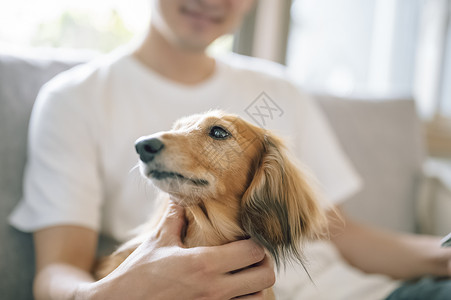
235	181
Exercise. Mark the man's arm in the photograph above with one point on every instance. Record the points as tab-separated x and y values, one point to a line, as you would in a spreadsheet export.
64	257
399	255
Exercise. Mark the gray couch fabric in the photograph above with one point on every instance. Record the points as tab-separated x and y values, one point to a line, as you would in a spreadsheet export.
383	140
20	80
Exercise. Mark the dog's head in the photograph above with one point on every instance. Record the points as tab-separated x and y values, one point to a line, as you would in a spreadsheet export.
220	157
202	157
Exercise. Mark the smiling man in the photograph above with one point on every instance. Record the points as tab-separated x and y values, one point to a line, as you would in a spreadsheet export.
78	181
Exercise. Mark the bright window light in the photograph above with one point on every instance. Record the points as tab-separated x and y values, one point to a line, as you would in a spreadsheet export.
100	25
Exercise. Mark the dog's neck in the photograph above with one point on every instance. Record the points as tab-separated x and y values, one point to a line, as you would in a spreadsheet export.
213	222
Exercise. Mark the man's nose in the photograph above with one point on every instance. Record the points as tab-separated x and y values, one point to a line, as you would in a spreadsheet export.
148	148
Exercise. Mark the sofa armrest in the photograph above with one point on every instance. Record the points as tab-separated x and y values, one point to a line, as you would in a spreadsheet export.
434	198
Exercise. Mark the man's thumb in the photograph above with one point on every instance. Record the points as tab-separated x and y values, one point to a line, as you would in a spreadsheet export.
173	223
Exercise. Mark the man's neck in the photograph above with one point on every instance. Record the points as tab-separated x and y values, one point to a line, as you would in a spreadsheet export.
172	62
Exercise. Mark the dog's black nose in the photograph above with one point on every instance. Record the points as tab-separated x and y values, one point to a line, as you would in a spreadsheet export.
148	148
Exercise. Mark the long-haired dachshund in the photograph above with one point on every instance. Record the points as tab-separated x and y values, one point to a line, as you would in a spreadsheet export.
235	181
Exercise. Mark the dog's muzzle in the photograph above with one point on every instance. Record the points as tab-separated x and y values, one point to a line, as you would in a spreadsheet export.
148	148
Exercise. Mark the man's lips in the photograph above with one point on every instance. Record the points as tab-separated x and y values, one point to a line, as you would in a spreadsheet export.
160	175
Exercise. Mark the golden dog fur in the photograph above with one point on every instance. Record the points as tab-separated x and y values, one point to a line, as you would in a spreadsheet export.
235	181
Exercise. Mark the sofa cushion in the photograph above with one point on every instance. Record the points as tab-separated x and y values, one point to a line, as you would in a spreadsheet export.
20	81
384	141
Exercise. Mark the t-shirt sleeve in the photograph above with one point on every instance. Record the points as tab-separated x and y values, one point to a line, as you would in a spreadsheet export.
61	183
321	152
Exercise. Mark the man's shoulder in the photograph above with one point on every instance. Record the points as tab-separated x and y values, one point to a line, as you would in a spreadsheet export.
85	76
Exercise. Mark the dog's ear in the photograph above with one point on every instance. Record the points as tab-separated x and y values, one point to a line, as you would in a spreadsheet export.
279	208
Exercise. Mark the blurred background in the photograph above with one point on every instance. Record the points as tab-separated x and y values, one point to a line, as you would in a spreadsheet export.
366	49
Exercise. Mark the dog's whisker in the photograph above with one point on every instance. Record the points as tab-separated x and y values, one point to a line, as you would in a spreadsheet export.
134	168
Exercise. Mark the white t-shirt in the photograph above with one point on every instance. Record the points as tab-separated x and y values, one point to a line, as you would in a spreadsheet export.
81	158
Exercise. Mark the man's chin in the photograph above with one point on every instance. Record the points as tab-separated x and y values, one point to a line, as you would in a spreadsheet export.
193	46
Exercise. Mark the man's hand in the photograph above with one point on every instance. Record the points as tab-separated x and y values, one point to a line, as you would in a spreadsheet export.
161	268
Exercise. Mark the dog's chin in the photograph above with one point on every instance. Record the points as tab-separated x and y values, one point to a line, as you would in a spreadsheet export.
184	190
184	200
180	192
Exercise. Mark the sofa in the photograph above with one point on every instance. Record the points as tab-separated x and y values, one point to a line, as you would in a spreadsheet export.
382	137
21	77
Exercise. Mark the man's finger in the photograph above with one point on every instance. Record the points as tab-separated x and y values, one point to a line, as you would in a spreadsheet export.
236	255
255	296
252	280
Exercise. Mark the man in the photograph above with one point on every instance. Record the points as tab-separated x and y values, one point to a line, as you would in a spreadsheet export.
81	150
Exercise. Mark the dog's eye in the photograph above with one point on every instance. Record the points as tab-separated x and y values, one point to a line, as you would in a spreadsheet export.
218	133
